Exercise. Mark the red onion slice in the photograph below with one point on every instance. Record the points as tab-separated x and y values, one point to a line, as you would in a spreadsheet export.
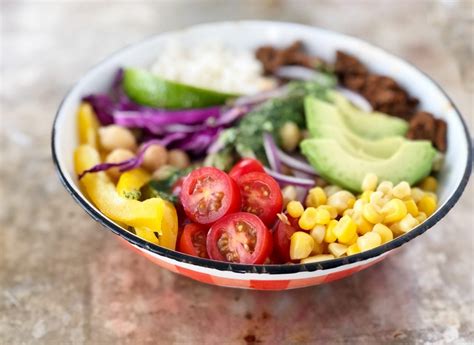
356	99
295	163
271	152
261	97
290	180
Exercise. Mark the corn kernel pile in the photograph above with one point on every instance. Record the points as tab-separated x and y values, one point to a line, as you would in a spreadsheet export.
336	223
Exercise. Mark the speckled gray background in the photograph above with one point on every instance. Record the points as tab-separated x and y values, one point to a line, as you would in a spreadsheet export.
64	280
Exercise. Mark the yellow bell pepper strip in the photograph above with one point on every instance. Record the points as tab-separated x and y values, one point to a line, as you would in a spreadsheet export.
147	235
169	226
102	192
169	229
88	125
130	183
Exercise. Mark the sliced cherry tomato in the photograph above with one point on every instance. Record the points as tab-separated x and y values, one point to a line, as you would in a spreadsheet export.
239	237
193	240
282	232
261	195
245	166
208	194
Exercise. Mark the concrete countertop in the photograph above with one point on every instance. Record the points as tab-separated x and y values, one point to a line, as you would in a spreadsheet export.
65	280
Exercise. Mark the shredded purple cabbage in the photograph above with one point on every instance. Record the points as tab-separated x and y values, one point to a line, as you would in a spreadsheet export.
155	119
198	142
136	161
103	106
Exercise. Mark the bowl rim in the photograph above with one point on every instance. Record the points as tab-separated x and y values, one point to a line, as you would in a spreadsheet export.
268	268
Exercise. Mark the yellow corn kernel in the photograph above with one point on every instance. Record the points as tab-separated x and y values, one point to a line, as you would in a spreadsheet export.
316	197
349	212
318	233
363	225
329	236
353	249
353	240
385	187
395	228
295	209
366	195
345	229
307	220
429	184
377	199
317	258
369	183
433	195
417	194
301	245
317	249
411	207
401	190
408	223
341	200
359	206
331	209
421	217
337	249
394	210
371	214
322	216
331	189
369	241
288	193
384	232
427	204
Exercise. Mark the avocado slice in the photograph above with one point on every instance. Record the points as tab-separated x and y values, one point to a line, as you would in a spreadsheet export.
325	121
148	89
411	162
374	149
343	114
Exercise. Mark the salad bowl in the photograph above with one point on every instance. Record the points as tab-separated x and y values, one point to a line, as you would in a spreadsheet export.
249	35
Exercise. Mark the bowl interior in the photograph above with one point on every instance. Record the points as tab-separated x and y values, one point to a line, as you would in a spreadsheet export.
248	35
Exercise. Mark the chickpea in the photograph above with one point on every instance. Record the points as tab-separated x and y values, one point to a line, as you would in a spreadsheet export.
115	137
155	157
163	172
290	136
117	156
178	158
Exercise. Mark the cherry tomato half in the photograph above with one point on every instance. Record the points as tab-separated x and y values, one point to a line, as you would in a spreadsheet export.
193	240
239	237
208	194
282	232
245	166
261	195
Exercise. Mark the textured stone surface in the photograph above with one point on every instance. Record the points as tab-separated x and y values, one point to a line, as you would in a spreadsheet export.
64	280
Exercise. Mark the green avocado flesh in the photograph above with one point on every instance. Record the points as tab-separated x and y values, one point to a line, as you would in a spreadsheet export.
343	114
146	88
411	162
348	143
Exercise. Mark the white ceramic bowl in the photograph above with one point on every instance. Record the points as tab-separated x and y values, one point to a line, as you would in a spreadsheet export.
249	35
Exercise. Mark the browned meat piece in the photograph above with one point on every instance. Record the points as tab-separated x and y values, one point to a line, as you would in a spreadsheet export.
273	58
387	96
440	139
424	126
383	93
348	66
